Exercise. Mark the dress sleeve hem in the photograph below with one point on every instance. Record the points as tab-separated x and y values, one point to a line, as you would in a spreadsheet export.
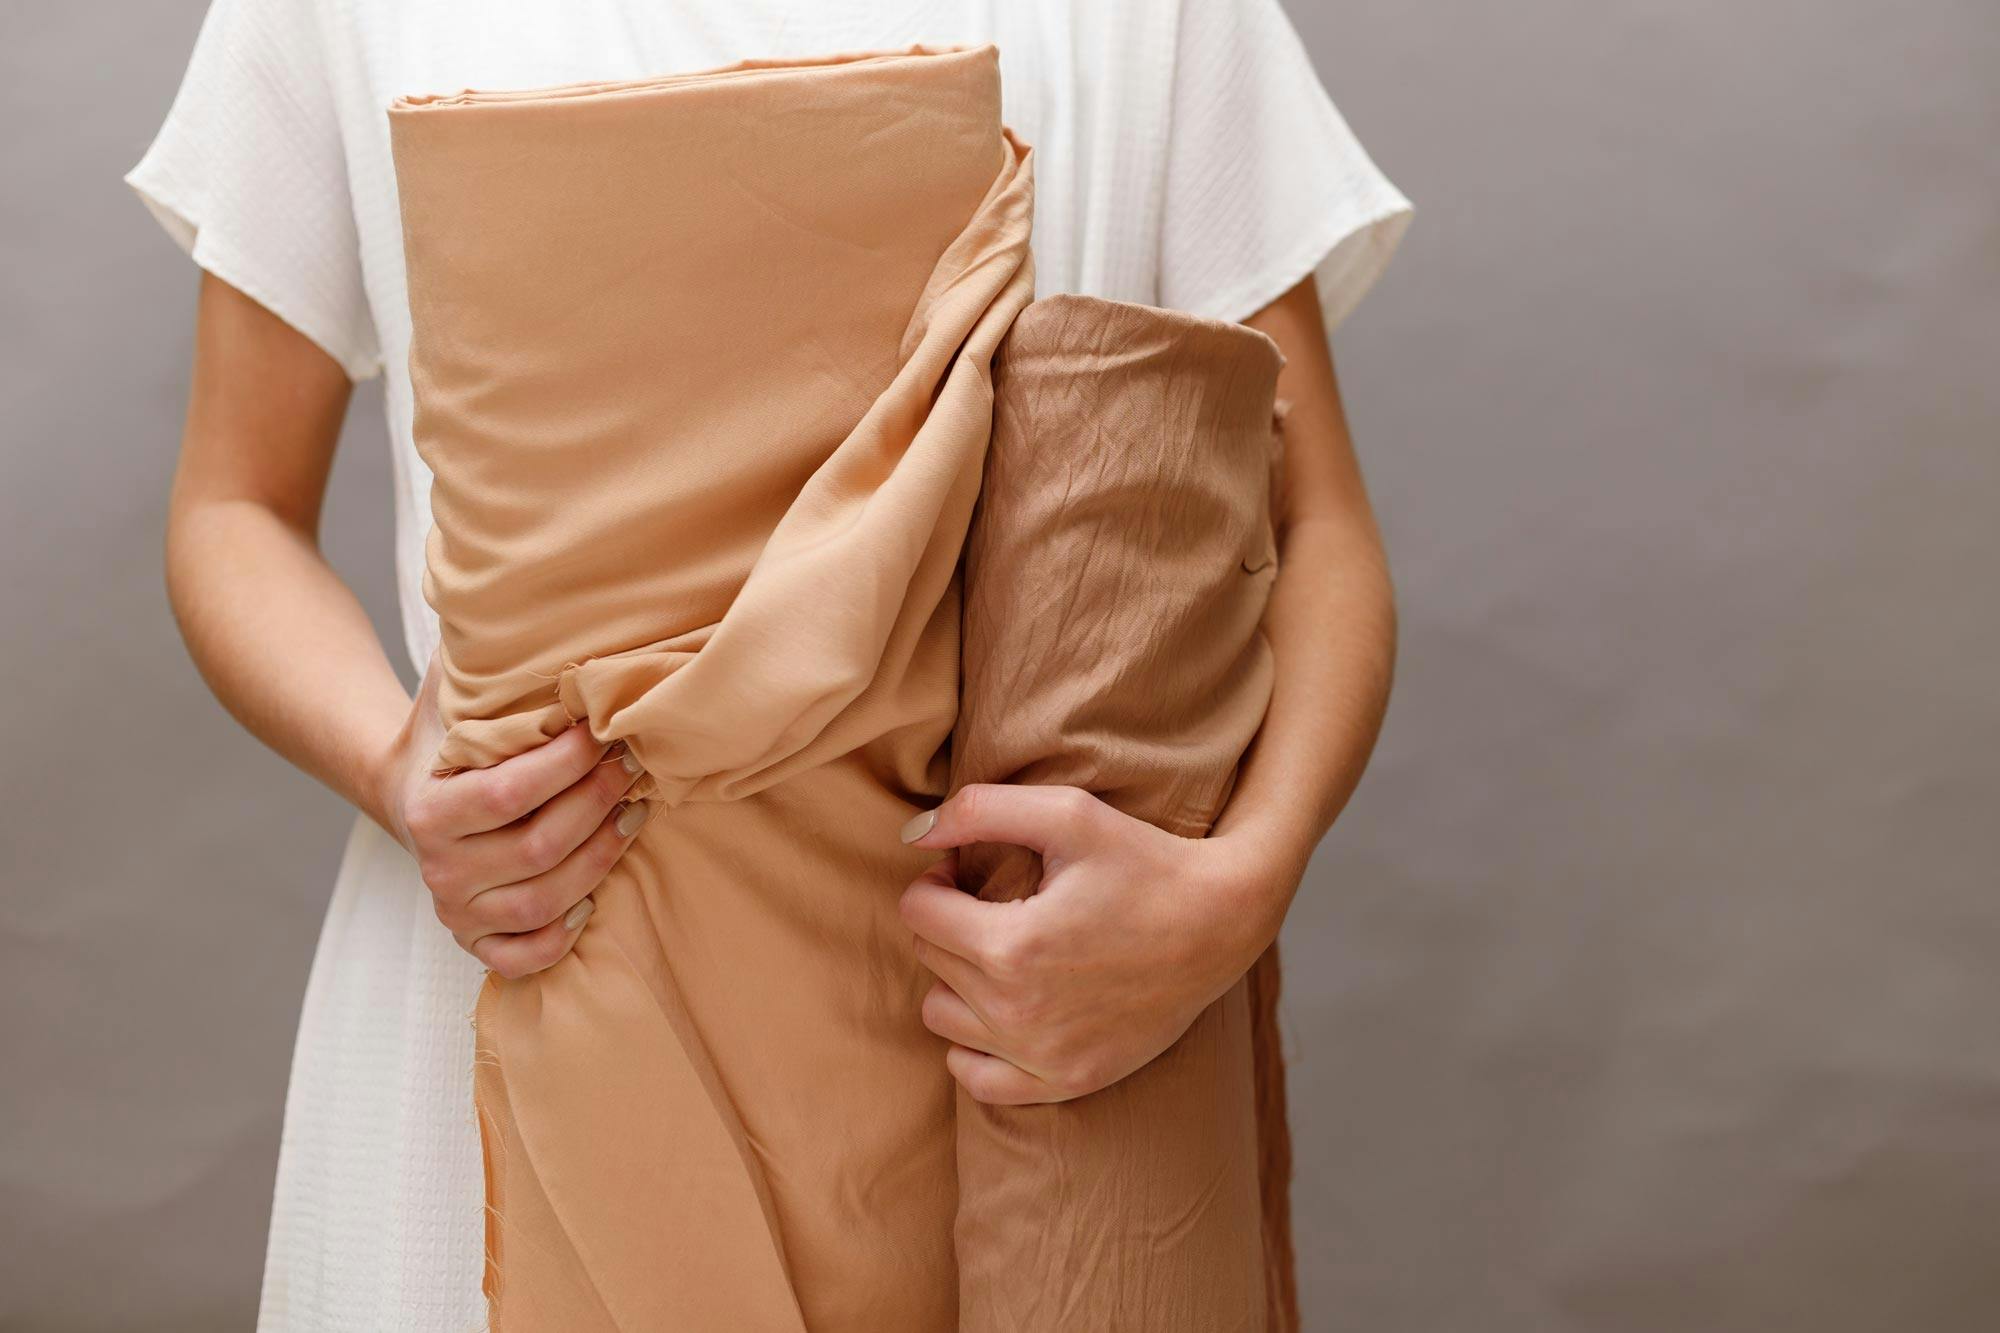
1347	252
212	252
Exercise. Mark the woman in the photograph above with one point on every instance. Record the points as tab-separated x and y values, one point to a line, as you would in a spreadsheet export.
1186	156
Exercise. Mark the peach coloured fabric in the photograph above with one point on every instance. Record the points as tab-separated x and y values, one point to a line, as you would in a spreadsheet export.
703	369
1115	583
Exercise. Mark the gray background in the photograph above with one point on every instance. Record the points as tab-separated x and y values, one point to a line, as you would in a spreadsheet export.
1649	984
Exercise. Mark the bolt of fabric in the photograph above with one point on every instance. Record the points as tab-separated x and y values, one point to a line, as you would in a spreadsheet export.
747	437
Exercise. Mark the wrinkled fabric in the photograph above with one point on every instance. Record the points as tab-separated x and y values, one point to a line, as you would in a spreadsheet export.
703	368
1115	583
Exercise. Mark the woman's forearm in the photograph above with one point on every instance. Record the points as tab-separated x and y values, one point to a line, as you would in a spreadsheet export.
511	853
1332	632
284	644
279	638
1331	624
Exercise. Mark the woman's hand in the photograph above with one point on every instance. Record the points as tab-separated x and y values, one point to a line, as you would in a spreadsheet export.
1133	933
511	853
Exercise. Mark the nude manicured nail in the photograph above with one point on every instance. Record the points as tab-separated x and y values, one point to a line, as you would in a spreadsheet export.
579	914
630	818
630	760
919	826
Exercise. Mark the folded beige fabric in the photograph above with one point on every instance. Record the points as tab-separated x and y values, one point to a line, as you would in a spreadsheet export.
703	371
1116	578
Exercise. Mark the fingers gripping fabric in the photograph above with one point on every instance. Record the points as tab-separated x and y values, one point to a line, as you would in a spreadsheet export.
703	371
1116	579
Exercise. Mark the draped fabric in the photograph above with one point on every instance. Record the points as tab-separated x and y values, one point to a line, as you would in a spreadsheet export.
703	367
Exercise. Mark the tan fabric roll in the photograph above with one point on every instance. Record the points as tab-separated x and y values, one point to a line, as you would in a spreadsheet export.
703	373
702	370
1116	580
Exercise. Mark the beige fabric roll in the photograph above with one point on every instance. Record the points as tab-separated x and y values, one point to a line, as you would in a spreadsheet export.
1116	579
703	373
702	370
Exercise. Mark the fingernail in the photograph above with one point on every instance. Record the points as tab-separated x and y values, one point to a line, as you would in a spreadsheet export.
631	817
579	914
630	760
919	826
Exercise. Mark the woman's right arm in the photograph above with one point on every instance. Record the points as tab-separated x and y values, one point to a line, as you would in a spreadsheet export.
510	853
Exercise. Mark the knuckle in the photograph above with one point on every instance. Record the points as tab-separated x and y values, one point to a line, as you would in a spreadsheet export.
437	875
584	766
1075	804
449	884
971	802
1075	1078
548	953
1000	958
420	818
503	797
525	911
1094	1072
610	780
539	849
605	849
1012	953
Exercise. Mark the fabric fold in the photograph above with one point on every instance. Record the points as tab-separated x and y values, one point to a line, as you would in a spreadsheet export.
705	370
702	371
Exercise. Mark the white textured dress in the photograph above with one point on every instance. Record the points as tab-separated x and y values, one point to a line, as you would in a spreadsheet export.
1186	156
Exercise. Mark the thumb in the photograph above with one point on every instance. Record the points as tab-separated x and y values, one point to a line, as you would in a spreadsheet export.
1049	820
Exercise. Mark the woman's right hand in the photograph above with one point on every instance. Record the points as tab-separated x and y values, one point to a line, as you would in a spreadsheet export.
511	853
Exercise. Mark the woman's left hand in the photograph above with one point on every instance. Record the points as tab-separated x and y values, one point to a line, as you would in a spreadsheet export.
1133	933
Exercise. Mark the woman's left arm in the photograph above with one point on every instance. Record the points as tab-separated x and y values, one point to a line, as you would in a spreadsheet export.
1135	931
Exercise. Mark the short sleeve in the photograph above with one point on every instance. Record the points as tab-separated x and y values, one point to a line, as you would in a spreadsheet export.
249	174
1265	183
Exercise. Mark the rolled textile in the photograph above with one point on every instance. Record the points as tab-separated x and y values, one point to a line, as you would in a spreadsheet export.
703	372
701	368
1116	579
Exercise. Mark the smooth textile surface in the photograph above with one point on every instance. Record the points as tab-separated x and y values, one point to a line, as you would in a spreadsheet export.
1186	156
728	536
1115	582
707	408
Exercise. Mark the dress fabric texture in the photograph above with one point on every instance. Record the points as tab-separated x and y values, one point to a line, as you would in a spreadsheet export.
1186	156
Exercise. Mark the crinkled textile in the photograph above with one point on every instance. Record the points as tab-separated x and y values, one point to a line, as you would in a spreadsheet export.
703	369
1116	578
